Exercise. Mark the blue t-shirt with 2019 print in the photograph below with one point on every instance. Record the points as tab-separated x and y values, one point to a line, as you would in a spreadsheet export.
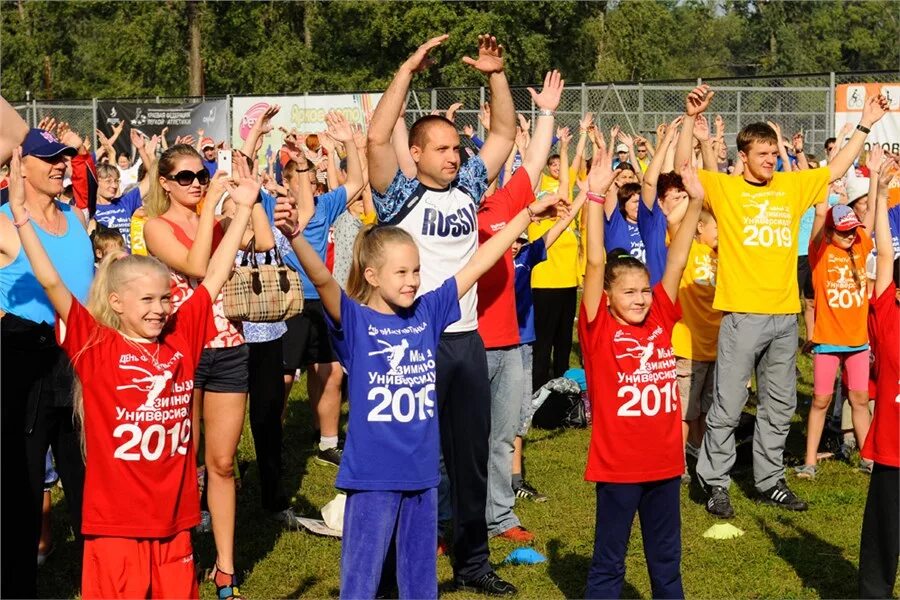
393	441
117	214
622	234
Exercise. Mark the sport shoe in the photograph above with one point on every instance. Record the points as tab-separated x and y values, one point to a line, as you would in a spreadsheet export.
719	504
866	466
527	492
780	495
286	517
330	457
517	534
489	583
205	525
805	471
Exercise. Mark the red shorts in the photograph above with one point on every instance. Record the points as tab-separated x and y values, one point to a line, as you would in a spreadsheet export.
117	567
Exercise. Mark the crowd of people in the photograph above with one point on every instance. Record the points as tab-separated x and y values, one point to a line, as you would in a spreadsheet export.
441	286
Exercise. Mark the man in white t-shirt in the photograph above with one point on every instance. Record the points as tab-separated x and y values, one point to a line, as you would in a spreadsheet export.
438	207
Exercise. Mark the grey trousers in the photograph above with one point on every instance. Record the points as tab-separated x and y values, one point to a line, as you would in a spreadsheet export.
506	375
768	343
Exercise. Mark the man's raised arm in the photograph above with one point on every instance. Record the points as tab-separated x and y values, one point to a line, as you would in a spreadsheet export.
503	113
13	130
547	101
695	103
380	153
873	110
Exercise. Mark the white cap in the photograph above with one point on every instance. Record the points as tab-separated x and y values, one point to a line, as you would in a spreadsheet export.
857	187
622	148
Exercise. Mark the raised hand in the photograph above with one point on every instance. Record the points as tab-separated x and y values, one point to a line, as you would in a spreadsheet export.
485	116
117	129
626	139
327	141
875	160
701	129
200	133
873	110
101	137
524	124
264	122
67	136
338	127
546	207
359	138
691	182
451	112
601	175
661	130
672	128
490	56
47	123
720	127
886	173
137	140
184	139
777	128
563	134
286	214
246	192
151	144
16	182
419	61
468	131
797	142
551	93
698	100
586	121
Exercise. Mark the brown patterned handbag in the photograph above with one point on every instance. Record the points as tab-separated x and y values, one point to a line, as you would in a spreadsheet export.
264	293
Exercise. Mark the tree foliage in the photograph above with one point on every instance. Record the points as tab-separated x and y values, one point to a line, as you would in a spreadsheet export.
85	48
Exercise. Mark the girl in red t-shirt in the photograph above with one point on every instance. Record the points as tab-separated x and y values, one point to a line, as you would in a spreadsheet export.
136	362
879	547
636	455
837	256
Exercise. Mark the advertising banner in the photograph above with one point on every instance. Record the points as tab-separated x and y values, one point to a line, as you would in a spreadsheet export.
303	113
210	116
849	101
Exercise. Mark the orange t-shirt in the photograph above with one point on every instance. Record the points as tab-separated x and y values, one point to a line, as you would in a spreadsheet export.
839	282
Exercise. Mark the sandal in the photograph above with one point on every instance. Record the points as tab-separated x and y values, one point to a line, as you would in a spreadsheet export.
228	590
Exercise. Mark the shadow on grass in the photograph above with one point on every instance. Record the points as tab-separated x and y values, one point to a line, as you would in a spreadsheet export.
302	587
820	565
569	572
60	577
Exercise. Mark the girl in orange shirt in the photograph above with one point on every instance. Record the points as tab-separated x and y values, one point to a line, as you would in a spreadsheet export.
837	257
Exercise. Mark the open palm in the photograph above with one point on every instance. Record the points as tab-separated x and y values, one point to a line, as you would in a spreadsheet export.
490	56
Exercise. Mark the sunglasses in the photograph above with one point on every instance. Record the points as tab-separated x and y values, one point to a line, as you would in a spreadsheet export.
186	178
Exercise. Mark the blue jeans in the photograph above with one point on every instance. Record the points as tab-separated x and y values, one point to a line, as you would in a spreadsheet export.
373	520
657	504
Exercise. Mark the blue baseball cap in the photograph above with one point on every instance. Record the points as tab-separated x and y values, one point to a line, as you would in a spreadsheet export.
44	144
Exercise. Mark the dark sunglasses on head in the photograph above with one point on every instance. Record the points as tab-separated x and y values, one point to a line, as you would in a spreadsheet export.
186	178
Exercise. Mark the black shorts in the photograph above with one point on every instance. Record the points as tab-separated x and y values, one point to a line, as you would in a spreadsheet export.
307	341
804	278
224	370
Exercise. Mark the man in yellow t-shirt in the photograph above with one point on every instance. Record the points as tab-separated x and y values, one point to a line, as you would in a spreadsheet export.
758	215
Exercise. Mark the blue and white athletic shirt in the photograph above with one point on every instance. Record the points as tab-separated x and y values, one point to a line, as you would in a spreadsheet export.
393	440
444	225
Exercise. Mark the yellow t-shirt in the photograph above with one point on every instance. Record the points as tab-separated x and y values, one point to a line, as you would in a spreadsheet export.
696	335
560	270
549	184
138	245
758	228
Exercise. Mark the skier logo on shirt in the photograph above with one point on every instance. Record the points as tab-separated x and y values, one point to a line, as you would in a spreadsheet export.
395	354
843	274
762	207
636	350
152	385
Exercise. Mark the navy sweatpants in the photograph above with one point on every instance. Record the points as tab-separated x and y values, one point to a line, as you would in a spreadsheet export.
373	520
657	504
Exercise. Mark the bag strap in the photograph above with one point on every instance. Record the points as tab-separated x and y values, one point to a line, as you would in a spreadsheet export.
250	254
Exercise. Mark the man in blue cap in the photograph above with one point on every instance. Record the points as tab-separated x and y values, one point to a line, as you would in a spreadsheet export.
35	375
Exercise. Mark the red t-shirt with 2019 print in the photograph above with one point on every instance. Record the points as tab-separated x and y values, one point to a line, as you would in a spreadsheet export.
630	371
140	473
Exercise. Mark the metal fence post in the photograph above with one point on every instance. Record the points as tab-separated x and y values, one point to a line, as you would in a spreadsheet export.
34	115
829	107
584	99
94	115
737	111
640	109
433	99
481	130
228	117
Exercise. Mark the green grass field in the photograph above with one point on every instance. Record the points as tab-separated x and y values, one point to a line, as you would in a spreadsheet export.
782	555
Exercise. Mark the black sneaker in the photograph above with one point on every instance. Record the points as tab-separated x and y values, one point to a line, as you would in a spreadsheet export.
330	457
527	492
719	504
783	497
489	583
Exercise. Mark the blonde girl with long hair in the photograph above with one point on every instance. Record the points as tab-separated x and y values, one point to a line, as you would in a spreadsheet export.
182	231
136	364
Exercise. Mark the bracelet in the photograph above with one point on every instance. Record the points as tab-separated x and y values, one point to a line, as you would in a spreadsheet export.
544	112
594	197
864	129
24	220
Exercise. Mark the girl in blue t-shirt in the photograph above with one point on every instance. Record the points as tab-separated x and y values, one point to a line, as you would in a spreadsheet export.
387	338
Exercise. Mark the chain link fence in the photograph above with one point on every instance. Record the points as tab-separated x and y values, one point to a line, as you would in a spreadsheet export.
796	102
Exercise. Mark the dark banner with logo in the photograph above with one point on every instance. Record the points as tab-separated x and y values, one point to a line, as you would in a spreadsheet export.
210	116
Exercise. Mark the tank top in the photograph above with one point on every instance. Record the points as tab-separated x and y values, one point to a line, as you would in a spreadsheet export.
230	333
20	292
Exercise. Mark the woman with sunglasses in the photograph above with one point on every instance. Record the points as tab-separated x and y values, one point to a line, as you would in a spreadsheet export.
184	238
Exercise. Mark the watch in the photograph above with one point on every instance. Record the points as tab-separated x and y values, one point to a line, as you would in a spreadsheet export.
864	129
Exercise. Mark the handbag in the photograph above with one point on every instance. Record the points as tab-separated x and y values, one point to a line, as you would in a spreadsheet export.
263	293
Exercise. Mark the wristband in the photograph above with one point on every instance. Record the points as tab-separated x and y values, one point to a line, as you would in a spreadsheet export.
544	112
864	129
594	197
24	220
